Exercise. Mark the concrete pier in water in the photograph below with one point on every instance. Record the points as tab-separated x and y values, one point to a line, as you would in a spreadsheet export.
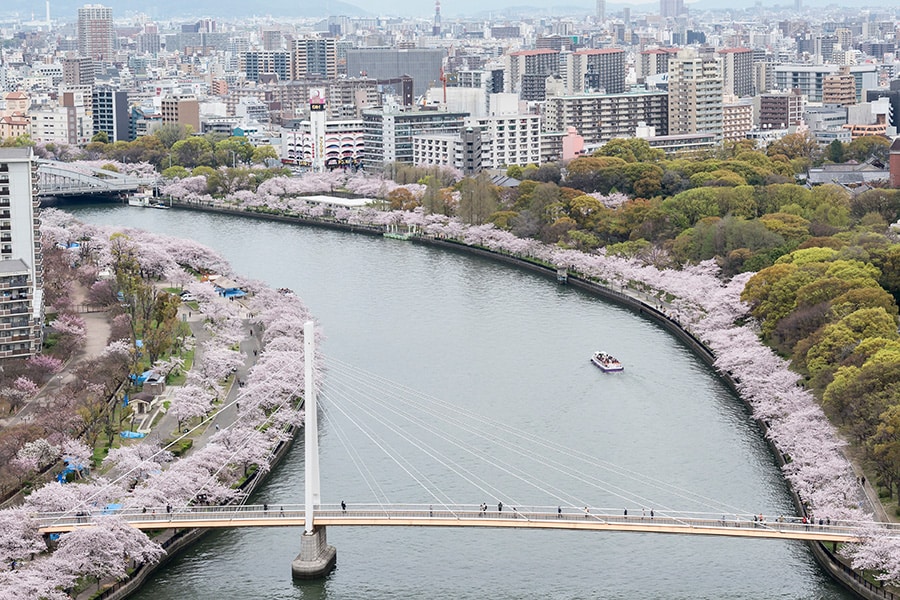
316	558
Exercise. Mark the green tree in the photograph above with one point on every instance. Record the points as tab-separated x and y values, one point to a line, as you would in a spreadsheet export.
631	150
263	153
884	445
170	133
869	146
100	137
193	152
835	152
477	200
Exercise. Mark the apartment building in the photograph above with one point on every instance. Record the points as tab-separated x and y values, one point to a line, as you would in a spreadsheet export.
695	93
21	271
599	118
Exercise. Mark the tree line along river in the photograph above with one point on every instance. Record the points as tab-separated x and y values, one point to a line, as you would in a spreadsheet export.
514	347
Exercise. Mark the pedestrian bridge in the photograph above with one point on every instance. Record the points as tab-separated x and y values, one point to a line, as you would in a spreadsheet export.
540	517
75	179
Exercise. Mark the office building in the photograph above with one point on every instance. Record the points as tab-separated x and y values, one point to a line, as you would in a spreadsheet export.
21	271
893	95
96	36
181	109
111	113
423	65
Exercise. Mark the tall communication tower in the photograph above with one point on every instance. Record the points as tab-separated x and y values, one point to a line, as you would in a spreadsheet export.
436	28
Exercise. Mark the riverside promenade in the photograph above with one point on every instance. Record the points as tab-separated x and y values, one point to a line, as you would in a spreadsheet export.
165	426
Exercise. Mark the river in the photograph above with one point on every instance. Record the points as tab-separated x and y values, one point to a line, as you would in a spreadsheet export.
510	346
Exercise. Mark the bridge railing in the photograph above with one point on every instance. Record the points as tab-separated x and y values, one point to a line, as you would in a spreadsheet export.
373	514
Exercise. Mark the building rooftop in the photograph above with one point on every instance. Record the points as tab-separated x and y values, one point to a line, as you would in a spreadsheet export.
15	266
14	154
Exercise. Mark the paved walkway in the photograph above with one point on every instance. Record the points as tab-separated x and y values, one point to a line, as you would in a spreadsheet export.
97	331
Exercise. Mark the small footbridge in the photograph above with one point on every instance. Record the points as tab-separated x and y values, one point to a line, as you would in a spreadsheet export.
525	517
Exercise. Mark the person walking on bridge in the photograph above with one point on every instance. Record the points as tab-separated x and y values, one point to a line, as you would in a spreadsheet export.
499	507
343	506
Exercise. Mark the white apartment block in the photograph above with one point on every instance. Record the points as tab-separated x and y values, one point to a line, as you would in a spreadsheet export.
21	270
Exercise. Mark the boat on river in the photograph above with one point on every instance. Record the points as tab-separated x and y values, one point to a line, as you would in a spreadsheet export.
606	362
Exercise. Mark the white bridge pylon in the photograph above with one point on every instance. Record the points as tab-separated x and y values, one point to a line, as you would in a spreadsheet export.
313	493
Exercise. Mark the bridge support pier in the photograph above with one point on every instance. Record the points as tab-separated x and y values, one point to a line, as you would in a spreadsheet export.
316	558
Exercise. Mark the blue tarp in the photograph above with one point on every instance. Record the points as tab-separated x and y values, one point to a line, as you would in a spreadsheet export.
140	379
132	434
111	508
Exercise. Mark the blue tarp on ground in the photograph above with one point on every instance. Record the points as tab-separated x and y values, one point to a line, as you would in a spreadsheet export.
111	508
69	468
140	379
132	434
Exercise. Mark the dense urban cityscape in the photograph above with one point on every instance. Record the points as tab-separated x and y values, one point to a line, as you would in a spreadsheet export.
729	174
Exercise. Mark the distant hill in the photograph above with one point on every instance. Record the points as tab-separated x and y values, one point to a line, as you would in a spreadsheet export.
67	10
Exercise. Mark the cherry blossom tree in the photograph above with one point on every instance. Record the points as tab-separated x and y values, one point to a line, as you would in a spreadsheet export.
19	537
104	550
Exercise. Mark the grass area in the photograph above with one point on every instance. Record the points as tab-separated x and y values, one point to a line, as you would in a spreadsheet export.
181	376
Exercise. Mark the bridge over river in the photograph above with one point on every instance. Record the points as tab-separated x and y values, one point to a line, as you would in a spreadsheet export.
75	179
417	515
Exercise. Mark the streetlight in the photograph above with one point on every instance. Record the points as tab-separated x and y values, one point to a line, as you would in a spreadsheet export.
233	156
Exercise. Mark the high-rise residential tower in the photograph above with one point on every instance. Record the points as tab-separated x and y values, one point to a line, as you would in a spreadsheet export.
21	270
96	37
695	93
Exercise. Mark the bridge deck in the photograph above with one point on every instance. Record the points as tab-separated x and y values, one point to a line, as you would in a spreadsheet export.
468	516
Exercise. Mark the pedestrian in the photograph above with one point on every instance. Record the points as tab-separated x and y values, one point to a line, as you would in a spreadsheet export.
237	405
559	512
863	480
144	510
625	513
651	513
343	506
499	507
168	508
265	507
515	513
217	426
643	513
255	353
251	333
281	511
586	512
430	511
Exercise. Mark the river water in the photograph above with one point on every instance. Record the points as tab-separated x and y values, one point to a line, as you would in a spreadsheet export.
513	347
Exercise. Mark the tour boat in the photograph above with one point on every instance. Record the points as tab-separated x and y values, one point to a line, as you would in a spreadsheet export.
606	362
141	199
